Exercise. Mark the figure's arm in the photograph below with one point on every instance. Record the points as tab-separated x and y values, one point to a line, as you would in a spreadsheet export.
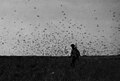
71	54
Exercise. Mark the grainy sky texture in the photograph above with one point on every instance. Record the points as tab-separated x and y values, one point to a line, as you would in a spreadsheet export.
48	27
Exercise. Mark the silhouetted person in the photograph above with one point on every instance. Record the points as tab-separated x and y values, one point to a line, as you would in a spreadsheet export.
74	54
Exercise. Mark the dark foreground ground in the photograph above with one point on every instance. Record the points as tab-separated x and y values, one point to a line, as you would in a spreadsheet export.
58	69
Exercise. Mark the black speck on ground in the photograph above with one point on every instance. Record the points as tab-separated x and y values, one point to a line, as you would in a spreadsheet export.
46	68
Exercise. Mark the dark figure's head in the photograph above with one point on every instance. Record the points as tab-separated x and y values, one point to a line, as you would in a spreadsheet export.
72	45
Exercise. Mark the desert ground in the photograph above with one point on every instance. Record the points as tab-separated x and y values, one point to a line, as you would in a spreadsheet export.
49	68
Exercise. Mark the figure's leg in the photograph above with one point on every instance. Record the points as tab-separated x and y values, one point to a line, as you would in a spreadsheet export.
78	60
73	62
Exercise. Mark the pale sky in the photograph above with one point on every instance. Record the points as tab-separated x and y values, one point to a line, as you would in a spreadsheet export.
95	15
